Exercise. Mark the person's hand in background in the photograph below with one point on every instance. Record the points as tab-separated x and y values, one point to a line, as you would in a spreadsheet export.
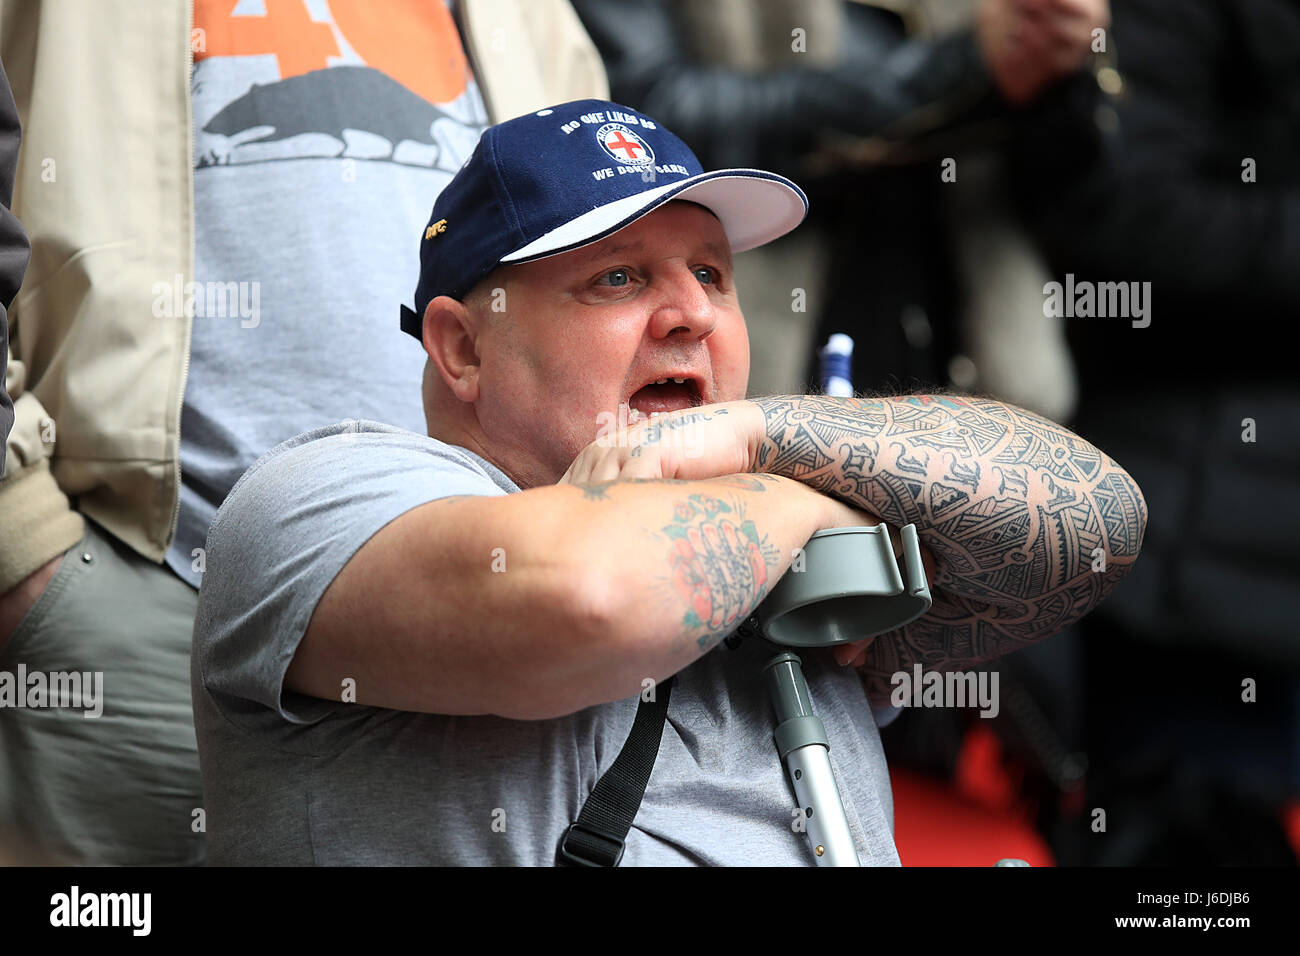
1030	44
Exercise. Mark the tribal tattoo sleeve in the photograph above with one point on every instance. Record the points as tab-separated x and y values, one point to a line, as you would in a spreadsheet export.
1030	525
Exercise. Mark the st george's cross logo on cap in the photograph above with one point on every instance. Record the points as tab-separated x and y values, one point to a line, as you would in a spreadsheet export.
624	146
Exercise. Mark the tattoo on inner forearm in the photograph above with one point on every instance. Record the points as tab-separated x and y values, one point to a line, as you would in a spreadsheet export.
721	566
1019	512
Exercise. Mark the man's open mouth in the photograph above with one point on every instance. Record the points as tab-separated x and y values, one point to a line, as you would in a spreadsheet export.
667	394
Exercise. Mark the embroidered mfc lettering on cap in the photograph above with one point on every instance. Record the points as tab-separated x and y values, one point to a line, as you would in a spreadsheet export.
561	178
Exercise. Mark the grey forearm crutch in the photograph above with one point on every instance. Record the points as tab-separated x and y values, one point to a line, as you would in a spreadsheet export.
851	588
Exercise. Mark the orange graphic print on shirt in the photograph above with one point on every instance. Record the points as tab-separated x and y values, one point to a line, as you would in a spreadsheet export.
332	78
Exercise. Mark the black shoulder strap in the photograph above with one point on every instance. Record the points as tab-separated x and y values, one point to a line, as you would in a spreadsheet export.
597	837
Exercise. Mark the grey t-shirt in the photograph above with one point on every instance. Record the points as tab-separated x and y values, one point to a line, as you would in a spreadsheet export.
290	779
319	149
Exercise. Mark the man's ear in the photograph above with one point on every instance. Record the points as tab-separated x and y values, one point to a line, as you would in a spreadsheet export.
450	339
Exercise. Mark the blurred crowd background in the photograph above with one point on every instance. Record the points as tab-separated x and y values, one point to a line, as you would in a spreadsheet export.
959	156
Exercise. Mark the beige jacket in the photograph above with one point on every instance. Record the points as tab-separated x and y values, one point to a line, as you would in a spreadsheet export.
105	190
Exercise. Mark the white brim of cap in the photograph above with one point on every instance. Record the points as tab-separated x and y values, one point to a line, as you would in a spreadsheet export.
753	206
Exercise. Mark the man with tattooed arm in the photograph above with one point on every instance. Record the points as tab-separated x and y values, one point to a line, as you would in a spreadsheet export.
417	649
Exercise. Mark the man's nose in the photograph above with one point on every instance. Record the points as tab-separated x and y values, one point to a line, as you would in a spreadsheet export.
684	306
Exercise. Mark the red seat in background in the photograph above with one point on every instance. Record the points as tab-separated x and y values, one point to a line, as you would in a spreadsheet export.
975	819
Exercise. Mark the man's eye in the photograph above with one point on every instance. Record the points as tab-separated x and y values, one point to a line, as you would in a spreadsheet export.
618	277
706	274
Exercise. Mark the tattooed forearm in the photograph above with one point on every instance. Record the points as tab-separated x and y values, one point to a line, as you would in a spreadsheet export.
720	565
1030	525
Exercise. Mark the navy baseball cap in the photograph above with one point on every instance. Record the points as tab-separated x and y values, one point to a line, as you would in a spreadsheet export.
561	178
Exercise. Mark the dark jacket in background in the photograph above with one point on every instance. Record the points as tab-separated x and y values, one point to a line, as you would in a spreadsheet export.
742	100
14	248
1206	85
1160	198
1192	766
